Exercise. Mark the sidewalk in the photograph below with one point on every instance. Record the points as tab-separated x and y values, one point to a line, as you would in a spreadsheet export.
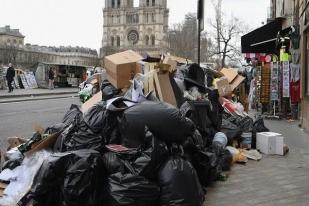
36	94
275	180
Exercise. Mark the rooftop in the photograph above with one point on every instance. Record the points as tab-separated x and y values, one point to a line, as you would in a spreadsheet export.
8	31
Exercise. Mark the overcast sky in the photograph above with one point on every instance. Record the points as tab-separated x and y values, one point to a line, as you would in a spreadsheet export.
79	22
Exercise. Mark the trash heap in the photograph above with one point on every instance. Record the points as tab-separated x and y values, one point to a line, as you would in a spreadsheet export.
160	142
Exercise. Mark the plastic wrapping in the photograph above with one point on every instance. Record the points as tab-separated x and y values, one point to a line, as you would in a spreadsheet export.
55	128
163	120
70	179
21	178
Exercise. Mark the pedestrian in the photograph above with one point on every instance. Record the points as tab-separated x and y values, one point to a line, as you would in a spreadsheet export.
51	77
10	74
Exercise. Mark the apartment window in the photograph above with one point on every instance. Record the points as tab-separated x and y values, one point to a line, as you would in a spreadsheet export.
113	3
118	41
112	41
118	3
153	2
147	2
153	40
147	18
147	40
153	17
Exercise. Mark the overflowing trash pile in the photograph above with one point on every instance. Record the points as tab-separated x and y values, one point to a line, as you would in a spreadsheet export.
161	141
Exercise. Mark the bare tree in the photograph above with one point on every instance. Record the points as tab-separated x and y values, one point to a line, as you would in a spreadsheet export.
227	35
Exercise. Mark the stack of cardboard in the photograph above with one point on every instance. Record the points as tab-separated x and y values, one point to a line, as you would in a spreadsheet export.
229	81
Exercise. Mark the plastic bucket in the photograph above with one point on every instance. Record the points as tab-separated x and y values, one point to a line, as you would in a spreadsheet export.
221	138
246	139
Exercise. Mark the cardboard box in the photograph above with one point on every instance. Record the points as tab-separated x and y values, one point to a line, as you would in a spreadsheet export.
230	74
237	81
121	68
164	88
270	143
170	61
147	69
223	86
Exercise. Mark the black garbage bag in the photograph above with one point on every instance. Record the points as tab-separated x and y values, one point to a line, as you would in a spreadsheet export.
206	164
217	109
112	163
109	91
83	138
72	114
70	179
194	143
179	183
199	112
196	73
95	116
231	131
258	126
246	124
153	154
163	120
226	159
129	189
55	128
145	161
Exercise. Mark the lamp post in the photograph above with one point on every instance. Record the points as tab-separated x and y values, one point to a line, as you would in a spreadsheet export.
200	27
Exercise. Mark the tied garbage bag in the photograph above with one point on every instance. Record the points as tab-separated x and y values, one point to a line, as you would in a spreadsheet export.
70	179
258	126
179	183
129	189
72	114
109	91
163	120
95	117
199	112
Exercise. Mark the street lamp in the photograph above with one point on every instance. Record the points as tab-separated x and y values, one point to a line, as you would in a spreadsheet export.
200	26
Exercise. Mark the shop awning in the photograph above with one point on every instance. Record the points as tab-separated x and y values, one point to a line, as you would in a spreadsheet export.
263	39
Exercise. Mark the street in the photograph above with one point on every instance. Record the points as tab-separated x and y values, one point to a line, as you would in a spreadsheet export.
18	118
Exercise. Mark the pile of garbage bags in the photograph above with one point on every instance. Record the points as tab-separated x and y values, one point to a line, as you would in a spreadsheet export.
124	152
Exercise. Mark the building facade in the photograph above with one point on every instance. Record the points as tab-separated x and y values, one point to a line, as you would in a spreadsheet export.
25	56
141	28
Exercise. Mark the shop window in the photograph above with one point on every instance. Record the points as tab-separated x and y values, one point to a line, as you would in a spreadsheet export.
153	40
147	40
118	41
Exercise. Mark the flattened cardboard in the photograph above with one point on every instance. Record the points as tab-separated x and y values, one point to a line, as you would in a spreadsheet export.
237	81
43	144
230	74
121	68
92	101
164	88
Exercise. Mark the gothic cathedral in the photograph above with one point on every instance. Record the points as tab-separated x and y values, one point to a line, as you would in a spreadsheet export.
142	29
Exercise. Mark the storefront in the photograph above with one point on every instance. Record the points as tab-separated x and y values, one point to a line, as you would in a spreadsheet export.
65	75
277	82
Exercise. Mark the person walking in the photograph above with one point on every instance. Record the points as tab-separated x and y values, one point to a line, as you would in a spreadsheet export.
10	74
51	77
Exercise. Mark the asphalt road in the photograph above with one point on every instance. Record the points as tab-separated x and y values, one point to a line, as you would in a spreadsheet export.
18	118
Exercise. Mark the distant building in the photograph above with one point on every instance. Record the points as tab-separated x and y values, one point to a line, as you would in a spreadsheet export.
141	28
13	49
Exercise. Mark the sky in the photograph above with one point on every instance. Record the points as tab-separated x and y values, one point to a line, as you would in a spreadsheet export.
80	22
